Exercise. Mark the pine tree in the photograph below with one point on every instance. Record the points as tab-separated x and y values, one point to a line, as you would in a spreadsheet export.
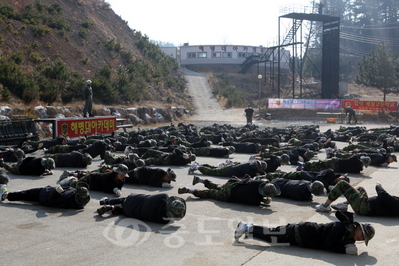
380	69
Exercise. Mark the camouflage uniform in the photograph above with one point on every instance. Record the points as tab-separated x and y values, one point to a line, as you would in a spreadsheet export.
156	157
322	165
352	114
90	141
232	169
296	175
357	198
103	169
59	149
216	191
110	158
13	168
344	154
268	154
360	146
207	169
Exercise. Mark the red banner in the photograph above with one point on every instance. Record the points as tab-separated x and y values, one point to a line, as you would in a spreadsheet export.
75	127
371	105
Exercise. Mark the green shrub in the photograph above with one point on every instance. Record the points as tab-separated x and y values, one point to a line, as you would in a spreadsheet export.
39	30
83	33
87	24
66	97
117	47
105	71
7	11
30	93
57	23
49	95
224	88
35	58
110	44
36	44
84	60
18	57
9	26
126	56
5	94
105	91
57	71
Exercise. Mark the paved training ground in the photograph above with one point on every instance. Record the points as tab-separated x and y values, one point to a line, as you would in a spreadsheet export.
35	235
32	234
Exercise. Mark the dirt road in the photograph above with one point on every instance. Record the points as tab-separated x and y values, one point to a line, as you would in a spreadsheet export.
207	106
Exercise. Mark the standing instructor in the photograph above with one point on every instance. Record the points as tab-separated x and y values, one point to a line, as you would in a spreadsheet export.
249	112
88	94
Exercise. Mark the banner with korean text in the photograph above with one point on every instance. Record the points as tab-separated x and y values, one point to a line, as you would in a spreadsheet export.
305	103
75	127
371	105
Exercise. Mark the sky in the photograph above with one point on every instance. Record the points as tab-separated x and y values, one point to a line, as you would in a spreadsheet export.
210	22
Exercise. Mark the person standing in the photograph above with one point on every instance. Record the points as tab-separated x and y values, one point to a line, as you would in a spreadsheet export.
88	94
249	113
352	114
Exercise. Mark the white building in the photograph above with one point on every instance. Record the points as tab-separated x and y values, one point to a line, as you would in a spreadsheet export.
223	55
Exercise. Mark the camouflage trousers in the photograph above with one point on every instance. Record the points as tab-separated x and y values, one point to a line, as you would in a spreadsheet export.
158	161
156	157
203	151
290	175
322	165
109	157
103	169
207	169
151	153
273	148
86	179
59	149
268	154
12	168
362	146
357	197
34	144
344	154
216	191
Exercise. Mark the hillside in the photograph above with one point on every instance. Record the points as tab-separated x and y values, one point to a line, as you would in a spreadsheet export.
49	48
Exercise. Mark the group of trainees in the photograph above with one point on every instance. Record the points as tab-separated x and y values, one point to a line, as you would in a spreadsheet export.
255	188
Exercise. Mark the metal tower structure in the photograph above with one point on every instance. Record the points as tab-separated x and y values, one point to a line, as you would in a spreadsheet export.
329	49
298	38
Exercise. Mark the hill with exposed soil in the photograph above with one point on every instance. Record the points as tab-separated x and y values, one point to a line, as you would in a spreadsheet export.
86	40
